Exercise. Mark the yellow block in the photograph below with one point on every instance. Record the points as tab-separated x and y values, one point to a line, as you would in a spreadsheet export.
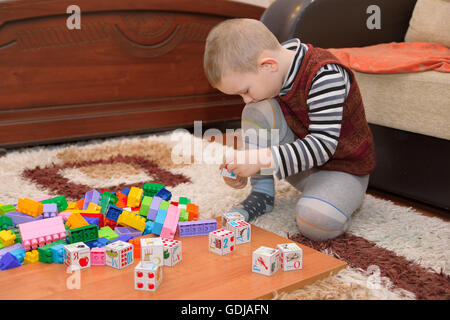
134	197
130	219
93	207
76	220
31	257
7	238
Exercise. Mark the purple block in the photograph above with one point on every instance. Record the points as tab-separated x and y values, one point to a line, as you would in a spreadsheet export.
196	228
153	210
91	196
20	217
10	248
9	261
128	231
50	210
123	238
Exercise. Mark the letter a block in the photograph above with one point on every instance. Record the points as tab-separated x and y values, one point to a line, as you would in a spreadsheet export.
152	251
147	277
291	256
266	260
221	241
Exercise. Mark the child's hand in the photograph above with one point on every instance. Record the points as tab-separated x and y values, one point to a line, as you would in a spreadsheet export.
247	163
238	182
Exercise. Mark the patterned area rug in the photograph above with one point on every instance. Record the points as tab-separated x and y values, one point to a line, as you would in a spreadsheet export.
393	252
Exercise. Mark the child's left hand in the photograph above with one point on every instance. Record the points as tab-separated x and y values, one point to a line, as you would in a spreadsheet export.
247	163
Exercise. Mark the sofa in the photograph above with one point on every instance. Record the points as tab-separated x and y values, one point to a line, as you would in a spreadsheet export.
408	113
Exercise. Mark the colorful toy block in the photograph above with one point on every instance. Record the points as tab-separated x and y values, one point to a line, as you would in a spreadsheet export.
192	209
184	216
113	213
31	257
15	246
110	223
119	254
266	260
231	216
291	256
5	222
152	251
172	252
224	172
30	207
130	219
108	233
221	241
101	221
145	206
241	230
164	194
128	231
50	210
147	277
148	227
6	208
19	253
92	196
150	189
136	247
19	217
60	201
98	256
134	197
196	228
154	207
126	191
7	238
122	202
45	252
170	223
76	220
94	207
77	256
84	234
91	220
159	221
39	233
9	261
100	243
107	199
58	253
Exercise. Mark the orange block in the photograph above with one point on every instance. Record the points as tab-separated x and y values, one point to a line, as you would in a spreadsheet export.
136	247
76	220
80	204
30	207
192	209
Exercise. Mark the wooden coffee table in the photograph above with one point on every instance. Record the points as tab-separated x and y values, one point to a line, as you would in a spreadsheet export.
201	275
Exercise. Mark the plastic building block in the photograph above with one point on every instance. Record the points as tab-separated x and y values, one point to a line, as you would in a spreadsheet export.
113	213
124	238
101	220
19	217
196	228
152	251
170	223
84	234
45	252
291	256
183	200
31	257
19	254
77	256
266	260
134	197
98	257
91	220
80	204
107	199
5	222
17	233
148	277
222	241
172	252
164	194
145	206
126	191
159	221
58	253
150	189
6	208
30	207
184	216
128	231
130	219
154	207
136	247
94	207
71	205
60	201
241	230
108	233
100	243
164	205
50	210
227	173
119	254
148	227
192	209
92	196
9	261
76	220
9	249
7	238
110	223
231	216
42	232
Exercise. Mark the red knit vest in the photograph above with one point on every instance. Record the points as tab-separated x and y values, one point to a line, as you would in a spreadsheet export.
355	151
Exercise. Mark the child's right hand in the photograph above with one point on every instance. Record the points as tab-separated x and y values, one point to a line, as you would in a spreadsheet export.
238	182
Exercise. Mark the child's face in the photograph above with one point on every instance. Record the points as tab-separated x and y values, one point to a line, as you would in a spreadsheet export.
251	86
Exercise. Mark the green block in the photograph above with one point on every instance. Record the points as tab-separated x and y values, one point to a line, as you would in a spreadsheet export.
6	208
150	188
145	206
107	198
17	233
183	200
5	222
45	252
164	205
84	234
183	215
108	233
60	201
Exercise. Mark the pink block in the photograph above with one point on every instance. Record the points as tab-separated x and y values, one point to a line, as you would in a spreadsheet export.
170	223
42	198
98	257
65	215
41	232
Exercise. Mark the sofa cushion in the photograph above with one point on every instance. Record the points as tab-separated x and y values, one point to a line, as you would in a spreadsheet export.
417	102
430	22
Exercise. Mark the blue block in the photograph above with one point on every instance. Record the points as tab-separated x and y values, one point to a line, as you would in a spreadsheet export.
19	253
159	221
58	253
126	191
9	261
91	220
148	227
113	213
164	194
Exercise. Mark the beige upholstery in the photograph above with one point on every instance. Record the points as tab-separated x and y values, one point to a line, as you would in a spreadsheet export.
430	22
417	102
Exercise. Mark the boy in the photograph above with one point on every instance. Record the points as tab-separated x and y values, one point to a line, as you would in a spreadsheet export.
324	146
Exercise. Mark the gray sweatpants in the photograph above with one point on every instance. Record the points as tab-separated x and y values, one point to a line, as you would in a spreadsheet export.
328	198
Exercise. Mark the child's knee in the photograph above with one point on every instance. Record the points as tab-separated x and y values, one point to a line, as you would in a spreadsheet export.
320	220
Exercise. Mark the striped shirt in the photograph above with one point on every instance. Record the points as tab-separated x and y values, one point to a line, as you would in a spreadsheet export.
326	96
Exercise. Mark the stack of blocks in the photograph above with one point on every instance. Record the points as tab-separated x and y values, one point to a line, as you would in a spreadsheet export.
268	261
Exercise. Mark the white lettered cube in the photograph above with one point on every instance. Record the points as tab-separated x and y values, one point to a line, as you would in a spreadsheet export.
291	256
172	252
241	230
147	277
231	216
266	260
152	251
119	254
222	241
77	256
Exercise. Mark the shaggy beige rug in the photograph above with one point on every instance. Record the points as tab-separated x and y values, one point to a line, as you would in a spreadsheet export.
393	252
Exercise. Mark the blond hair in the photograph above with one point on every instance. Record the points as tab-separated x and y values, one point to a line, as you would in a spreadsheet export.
235	45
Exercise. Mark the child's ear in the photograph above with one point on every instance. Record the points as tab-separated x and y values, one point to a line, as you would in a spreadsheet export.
269	64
